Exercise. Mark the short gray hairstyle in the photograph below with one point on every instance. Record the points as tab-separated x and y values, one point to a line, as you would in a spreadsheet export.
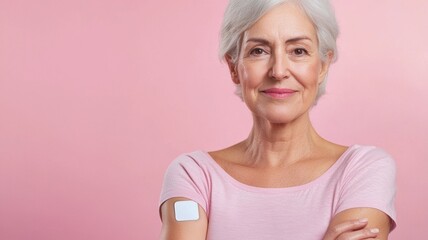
240	15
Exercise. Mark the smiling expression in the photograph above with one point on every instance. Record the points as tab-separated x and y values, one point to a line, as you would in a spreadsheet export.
279	67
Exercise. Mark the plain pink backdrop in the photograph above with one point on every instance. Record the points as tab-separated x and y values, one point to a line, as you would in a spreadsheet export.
97	97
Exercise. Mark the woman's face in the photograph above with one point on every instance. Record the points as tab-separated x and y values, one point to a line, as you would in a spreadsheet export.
279	67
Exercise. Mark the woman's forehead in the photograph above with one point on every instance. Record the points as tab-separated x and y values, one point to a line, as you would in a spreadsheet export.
284	21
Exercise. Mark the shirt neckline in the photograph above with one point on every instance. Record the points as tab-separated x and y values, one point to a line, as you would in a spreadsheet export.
246	187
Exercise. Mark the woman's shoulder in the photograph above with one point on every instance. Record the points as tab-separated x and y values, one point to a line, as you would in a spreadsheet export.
192	159
365	157
195	155
188	176
357	151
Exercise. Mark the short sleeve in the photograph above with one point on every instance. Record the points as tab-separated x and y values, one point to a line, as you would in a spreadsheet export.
369	181
185	177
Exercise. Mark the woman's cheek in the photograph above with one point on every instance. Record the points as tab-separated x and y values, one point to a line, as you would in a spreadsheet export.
246	77
254	74
307	74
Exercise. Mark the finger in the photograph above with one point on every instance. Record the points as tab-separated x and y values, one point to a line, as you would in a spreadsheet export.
333	232
367	233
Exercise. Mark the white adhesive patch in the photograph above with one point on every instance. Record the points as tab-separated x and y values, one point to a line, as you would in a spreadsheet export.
186	211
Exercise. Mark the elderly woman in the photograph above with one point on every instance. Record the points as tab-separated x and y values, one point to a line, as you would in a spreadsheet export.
284	181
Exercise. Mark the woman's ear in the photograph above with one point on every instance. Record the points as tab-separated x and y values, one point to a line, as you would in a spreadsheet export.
232	69
325	66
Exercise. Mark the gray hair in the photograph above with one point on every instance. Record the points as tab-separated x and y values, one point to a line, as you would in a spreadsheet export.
240	15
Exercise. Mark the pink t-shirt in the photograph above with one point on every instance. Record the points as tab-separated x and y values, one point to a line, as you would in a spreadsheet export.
363	176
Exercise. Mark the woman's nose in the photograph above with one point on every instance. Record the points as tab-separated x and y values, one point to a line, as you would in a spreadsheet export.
279	69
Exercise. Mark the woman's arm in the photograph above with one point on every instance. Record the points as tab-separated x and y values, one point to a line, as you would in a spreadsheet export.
182	230
345	225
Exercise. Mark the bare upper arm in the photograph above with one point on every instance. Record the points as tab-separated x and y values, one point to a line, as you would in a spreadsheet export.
376	219
177	230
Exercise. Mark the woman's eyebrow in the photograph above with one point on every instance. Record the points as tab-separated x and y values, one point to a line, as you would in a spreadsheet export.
264	41
258	40
296	39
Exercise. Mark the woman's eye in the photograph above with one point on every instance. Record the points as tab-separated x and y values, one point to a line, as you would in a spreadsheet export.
300	51
257	51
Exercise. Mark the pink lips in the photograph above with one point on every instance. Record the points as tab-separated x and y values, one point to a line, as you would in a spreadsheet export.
279	93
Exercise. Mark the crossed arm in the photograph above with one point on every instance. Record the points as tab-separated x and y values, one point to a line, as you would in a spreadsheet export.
351	224
359	223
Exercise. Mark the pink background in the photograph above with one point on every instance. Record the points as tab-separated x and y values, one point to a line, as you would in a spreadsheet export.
97	97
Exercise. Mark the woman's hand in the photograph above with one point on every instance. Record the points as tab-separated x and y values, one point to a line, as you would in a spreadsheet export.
351	230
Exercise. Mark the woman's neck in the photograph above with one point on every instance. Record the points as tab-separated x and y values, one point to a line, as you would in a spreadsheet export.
271	144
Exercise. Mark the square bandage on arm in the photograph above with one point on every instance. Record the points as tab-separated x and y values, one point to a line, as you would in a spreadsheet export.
186	211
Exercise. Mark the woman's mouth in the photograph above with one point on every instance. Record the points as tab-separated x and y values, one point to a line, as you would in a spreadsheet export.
278	93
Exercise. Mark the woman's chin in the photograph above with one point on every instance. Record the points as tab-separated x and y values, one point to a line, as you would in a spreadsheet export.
280	117
280	120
